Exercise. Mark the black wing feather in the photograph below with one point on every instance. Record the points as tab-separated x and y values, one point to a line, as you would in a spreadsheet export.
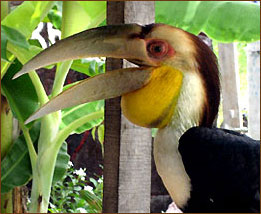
224	168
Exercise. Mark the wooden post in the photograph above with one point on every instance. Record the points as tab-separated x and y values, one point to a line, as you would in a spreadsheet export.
229	85
127	148
253	77
112	124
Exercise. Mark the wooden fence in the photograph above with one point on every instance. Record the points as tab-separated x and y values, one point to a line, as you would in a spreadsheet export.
228	62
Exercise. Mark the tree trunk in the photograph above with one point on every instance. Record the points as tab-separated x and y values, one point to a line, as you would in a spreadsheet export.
127	148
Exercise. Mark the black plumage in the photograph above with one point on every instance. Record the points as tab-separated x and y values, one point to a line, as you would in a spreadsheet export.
224	168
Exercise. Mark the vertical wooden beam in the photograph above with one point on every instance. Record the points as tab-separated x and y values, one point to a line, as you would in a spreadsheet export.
115	15
253	78
135	157
229	85
127	151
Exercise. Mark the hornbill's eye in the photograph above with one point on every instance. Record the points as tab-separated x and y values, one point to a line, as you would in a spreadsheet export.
157	48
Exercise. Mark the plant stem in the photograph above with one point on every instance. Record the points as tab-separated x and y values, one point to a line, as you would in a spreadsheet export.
30	145
60	76
49	141
48	147
42	96
64	133
72	22
43	180
47	160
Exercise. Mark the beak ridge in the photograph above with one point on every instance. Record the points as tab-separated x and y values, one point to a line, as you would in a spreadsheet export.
109	41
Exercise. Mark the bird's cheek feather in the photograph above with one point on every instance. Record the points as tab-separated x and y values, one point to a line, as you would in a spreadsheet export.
153	105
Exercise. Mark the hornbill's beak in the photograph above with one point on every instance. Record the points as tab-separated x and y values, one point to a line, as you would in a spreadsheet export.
122	41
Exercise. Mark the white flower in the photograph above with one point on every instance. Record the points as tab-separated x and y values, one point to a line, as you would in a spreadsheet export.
88	188
81	210
52	205
70	163
80	172
100	180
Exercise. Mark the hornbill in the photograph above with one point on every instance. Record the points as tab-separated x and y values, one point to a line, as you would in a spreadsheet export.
176	89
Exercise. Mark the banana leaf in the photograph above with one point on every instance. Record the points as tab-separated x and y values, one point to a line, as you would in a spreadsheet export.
224	21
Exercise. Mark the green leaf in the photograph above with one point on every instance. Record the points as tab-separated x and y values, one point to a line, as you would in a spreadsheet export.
3	47
4	9
90	67
94	201
25	19
61	163
96	11
20	93
16	167
22	54
221	20
93	133
55	18
154	132
71	114
74	19
101	133
27	16
6	127
35	42
14	36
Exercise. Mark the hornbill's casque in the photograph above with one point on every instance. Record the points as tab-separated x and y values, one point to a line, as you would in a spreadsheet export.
176	87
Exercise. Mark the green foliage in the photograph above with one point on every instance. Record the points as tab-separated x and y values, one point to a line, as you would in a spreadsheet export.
71	114
24	19
89	67
101	133
71	194
27	16
16	167
61	163
26	93
7	125
4	9
3	47
154	132
55	17
223	21
20	93
15	37
96	12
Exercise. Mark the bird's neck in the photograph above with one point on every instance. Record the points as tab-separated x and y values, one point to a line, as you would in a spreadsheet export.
168	161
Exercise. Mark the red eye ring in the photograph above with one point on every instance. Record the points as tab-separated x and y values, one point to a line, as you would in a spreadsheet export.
157	48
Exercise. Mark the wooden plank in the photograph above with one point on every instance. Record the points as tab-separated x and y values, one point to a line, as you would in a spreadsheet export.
112	123
135	156
127	148
253	77
229	85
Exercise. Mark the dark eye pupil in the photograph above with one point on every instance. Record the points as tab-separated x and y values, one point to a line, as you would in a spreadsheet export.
157	49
